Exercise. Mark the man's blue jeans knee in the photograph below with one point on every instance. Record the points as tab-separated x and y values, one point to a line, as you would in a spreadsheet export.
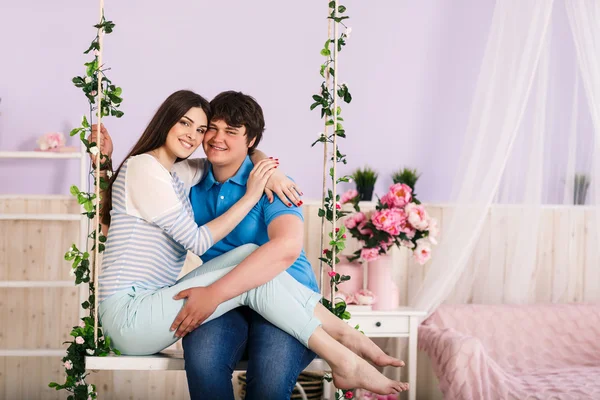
275	359
211	353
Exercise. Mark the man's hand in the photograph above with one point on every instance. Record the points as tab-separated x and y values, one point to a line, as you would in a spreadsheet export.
106	146
284	188
201	303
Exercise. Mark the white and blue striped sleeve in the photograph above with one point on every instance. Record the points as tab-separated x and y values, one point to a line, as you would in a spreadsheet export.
152	197
190	171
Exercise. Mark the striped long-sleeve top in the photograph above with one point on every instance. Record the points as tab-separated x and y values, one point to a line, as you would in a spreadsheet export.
152	225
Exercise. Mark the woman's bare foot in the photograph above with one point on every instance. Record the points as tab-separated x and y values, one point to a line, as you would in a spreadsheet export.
356	373
363	346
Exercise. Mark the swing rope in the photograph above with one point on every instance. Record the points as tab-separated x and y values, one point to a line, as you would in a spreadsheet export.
97	175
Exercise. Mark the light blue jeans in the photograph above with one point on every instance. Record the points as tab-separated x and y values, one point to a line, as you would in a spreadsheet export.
138	320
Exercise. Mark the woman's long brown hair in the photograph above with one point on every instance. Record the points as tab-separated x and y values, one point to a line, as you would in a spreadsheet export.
155	135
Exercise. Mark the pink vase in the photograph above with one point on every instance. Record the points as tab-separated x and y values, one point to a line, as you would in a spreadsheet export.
344	267
381	282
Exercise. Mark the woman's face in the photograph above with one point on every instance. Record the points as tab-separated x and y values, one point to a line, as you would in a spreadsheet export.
186	135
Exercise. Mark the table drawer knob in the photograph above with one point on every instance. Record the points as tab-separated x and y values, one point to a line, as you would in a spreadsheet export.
378	324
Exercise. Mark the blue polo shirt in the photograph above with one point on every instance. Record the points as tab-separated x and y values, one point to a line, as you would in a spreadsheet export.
210	199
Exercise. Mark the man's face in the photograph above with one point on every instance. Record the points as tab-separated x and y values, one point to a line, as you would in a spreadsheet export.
224	144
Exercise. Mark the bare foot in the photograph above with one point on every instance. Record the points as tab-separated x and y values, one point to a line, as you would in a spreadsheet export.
357	373
363	346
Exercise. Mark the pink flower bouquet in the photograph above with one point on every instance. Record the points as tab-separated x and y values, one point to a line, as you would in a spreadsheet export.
399	219
51	141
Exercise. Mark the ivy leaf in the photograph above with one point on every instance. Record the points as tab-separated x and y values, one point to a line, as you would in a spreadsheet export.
347	97
322	72
103	184
322	139
93	46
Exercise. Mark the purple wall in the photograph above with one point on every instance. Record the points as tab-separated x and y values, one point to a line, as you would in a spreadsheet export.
411	67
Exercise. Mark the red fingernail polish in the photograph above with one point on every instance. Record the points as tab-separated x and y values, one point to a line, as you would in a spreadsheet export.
289	204
276	166
271	158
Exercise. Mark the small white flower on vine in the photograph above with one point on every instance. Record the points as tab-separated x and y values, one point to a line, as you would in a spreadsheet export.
69	364
109	173
87	79
82	324
94	150
350	180
79	340
93	93
90	389
348	32
85	275
90	351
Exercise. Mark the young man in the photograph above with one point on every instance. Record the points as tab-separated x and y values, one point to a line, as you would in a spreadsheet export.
212	351
275	359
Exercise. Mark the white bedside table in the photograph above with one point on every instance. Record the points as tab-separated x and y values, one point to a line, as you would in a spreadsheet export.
399	323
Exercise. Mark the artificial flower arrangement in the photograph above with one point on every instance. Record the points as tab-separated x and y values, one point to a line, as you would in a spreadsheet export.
362	297
399	219
53	141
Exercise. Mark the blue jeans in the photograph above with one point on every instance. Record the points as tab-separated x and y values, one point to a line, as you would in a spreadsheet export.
275	359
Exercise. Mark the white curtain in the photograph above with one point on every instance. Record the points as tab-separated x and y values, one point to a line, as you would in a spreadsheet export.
584	20
511	61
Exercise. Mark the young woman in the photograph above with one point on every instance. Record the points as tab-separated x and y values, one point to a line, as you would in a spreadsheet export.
151	229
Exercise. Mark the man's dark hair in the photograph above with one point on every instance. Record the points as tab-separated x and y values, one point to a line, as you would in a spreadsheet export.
238	109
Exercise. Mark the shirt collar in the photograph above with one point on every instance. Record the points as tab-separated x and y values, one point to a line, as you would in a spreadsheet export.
240	178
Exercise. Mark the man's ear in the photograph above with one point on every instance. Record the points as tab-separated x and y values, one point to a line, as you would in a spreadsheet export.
251	143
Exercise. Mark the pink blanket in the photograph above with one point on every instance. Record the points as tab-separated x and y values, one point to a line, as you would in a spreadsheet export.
515	352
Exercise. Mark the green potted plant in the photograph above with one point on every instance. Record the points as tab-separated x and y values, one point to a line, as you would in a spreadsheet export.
580	188
407	176
365	179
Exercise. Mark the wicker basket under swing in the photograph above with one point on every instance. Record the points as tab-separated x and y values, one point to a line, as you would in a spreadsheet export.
311	382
